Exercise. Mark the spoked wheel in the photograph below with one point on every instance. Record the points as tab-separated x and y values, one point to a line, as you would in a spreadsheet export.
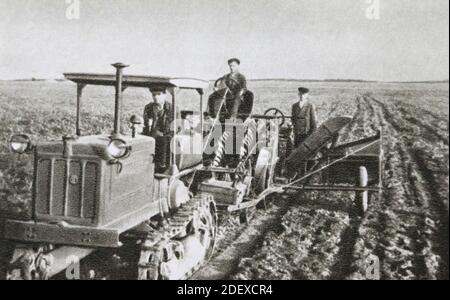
180	256
276	114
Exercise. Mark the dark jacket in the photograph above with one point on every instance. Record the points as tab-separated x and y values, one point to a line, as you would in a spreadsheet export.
162	119
304	119
234	103
239	78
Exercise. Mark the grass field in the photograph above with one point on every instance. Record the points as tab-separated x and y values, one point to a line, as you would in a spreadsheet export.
316	236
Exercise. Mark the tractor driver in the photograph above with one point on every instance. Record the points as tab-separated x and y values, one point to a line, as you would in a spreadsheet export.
234	64
238	91
237	85
304	117
158	116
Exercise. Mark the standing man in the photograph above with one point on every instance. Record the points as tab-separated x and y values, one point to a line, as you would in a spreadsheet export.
158	116
304	117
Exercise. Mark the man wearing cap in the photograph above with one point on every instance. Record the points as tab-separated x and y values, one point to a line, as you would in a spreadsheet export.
304	117
237	85
238	89
158	116
235	75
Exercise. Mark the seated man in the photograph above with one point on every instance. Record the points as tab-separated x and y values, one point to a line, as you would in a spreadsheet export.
158	117
238	94
236	76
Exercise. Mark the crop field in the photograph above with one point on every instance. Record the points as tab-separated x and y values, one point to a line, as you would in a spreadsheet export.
309	235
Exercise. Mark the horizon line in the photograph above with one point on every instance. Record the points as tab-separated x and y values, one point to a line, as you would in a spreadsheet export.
271	79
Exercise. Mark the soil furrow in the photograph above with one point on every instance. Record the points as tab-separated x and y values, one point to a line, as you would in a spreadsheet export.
398	172
423	193
223	265
412	122
424	112
429	130
367	231
343	267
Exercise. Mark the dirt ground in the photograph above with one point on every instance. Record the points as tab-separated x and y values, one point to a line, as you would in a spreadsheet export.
308	235
406	228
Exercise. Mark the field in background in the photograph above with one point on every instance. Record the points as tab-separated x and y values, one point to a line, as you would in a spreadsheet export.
317	236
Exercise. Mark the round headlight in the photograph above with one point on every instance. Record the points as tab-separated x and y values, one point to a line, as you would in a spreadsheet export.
118	149
20	143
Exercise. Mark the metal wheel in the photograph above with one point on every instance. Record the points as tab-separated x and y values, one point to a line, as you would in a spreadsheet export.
277	114
178	257
27	263
362	198
263	171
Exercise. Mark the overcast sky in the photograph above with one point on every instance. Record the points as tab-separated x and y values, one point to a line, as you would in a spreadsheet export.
304	39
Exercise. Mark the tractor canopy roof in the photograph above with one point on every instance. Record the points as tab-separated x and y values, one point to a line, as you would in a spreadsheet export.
138	81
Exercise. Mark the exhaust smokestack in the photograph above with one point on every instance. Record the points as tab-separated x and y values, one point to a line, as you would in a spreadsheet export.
118	103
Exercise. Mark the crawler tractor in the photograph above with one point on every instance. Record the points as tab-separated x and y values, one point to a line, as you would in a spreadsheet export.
101	192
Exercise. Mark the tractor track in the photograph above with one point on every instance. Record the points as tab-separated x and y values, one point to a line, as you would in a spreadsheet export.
343	266
344	261
427	114
430	130
378	232
245	243
373	234
426	130
410	180
396	164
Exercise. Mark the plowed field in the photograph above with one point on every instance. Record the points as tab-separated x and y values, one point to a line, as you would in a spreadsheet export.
309	235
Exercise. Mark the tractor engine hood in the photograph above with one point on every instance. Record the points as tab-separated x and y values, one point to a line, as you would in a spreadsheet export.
76	181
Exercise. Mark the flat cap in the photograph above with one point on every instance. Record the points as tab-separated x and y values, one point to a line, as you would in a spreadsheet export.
303	90
236	60
135	119
157	89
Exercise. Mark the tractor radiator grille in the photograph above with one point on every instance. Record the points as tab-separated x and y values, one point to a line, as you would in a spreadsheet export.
66	188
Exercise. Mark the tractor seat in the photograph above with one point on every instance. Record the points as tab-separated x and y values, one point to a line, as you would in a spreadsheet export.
246	107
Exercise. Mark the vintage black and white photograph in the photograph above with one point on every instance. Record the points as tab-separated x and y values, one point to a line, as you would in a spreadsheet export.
213	140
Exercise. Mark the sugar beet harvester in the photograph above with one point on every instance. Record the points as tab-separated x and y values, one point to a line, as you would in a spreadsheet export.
102	191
